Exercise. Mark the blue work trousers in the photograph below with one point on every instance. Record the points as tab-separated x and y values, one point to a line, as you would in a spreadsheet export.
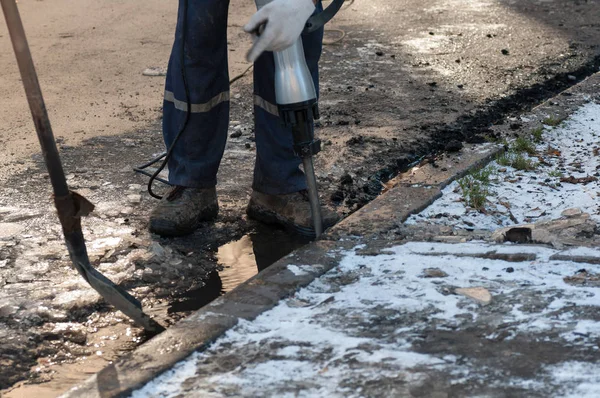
196	157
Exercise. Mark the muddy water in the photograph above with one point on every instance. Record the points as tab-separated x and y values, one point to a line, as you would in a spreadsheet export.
104	347
237	262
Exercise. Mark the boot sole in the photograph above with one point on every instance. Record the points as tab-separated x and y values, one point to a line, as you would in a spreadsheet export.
268	217
168	229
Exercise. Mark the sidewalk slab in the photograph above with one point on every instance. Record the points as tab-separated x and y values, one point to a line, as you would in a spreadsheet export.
379	325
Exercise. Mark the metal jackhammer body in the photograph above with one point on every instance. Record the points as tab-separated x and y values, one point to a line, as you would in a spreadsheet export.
297	102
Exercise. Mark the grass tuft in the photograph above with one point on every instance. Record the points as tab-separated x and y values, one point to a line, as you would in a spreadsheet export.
523	144
537	134
504	159
483	174
552	121
517	161
474	192
555	173
522	163
474	187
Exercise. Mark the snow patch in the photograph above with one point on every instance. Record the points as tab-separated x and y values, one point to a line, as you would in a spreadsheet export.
297	270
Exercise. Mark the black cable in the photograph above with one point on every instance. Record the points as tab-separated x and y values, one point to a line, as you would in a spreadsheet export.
150	163
169	152
140	169
147	173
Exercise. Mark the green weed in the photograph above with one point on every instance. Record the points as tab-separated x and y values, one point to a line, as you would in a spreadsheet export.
483	175
537	134
552	121
504	159
523	144
474	192
517	161
555	173
520	162
474	187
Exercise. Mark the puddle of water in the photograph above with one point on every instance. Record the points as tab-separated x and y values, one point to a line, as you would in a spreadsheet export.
104	347
240	260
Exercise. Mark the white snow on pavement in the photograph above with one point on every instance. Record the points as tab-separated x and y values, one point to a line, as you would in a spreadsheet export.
297	270
306	326
582	377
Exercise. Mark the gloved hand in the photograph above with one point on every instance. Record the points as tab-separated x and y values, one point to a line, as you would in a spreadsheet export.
284	21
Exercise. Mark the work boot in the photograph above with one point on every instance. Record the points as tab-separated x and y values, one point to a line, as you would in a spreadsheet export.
291	211
182	209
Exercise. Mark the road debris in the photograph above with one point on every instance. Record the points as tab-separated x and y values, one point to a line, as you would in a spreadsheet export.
583	278
434	273
155	71
479	294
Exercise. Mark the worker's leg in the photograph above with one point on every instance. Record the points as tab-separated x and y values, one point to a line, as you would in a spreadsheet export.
276	170
197	154
193	166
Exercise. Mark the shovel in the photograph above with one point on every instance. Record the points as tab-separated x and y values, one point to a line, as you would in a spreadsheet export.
69	205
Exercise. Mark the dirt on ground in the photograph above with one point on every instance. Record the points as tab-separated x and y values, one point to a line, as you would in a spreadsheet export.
400	81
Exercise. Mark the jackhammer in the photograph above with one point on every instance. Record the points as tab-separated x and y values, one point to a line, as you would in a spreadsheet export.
297	102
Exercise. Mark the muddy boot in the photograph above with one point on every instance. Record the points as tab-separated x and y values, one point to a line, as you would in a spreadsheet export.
182	209
291	211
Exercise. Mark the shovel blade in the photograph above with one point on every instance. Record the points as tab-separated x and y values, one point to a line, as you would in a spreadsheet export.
123	301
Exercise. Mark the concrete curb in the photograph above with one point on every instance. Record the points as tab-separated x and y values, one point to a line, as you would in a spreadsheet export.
414	191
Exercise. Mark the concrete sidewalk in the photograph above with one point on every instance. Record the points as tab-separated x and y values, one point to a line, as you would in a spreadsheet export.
444	304
417	320
428	319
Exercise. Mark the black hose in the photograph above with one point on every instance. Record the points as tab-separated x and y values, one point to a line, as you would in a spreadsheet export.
150	163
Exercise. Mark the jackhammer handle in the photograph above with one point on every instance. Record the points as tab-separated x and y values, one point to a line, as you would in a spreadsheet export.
316	22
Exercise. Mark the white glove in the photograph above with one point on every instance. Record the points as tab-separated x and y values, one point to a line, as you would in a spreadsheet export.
284	22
